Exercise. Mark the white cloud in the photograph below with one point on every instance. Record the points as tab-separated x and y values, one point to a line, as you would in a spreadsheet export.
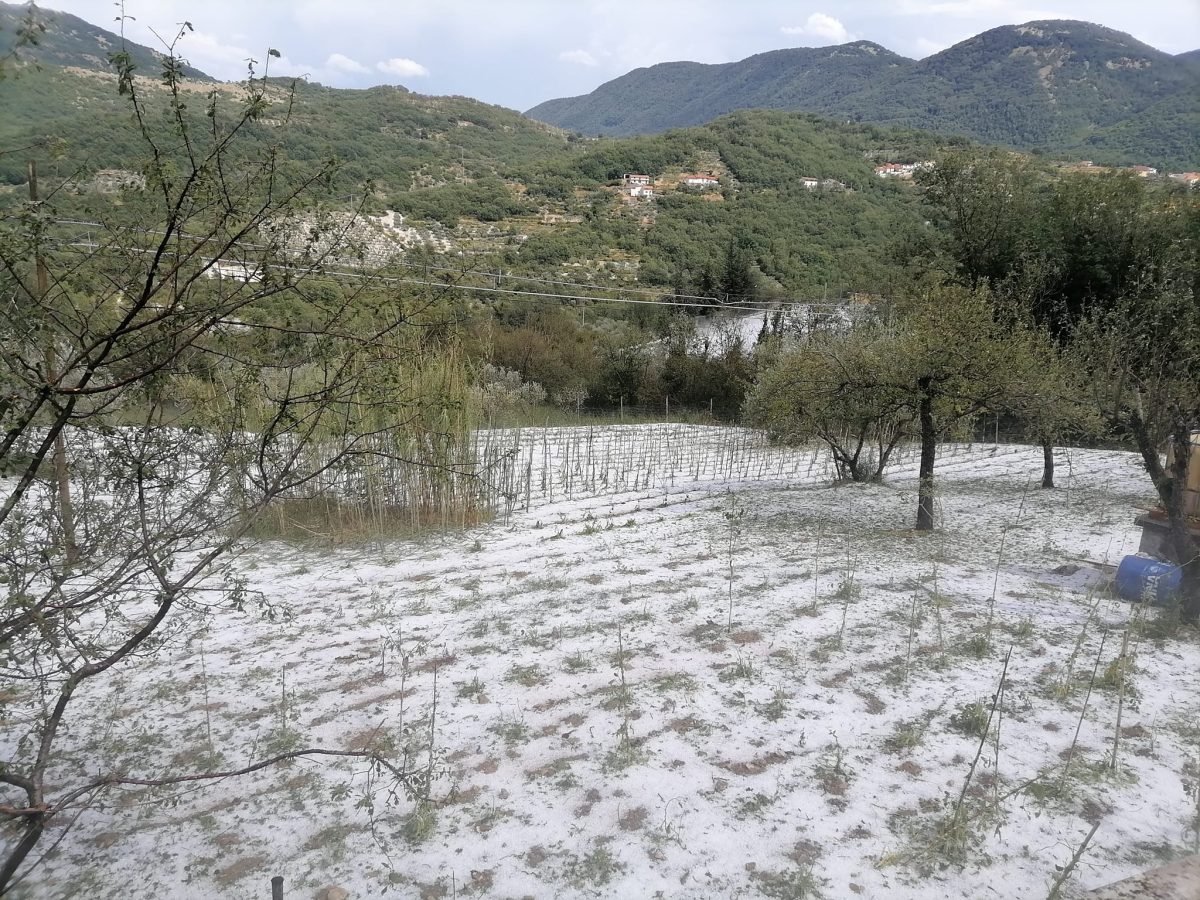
402	68
579	57
820	25
345	64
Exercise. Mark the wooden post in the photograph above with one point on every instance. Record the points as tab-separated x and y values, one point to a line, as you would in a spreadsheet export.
66	509
277	888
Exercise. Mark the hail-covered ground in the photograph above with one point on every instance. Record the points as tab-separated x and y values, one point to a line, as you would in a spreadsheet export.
680	664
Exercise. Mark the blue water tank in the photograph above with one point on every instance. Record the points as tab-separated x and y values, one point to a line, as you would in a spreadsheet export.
1144	579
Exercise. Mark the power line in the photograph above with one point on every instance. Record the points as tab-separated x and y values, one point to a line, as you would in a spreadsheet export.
497	275
416	282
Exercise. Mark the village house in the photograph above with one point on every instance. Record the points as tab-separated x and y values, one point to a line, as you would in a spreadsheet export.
642	191
902	170
1189	178
698	181
1143	171
811	183
634	178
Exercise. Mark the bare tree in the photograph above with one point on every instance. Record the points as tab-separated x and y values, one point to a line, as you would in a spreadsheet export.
193	372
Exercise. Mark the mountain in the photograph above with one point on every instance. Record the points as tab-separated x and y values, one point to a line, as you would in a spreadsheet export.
679	94
1061	87
61	39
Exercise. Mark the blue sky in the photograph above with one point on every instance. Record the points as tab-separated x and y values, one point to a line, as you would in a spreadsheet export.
517	53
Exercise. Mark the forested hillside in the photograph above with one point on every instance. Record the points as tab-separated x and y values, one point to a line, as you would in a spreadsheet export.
679	94
498	184
1059	87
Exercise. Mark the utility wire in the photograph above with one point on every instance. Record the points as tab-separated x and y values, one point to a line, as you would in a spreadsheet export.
496	276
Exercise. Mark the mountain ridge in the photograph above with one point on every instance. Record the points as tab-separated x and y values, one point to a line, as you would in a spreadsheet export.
1057	86
61	39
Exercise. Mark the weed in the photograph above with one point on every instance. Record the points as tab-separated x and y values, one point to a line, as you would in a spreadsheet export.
742	669
1023	630
971	719
511	731
775	709
576	663
676	681
906	735
753	806
596	869
471	689
420	823
790	884
622	757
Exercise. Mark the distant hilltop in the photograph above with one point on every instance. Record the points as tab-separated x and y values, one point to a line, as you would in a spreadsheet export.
1065	88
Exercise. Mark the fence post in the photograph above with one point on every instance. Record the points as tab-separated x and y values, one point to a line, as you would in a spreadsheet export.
667	399
277	888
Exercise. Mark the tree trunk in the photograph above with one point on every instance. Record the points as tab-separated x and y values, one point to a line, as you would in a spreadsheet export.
928	456
34	826
1170	485
1047	464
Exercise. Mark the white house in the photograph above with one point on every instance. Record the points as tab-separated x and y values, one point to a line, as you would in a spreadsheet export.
632	178
698	180
811	183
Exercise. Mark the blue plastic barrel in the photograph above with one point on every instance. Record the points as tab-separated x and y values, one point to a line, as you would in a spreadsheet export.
1146	580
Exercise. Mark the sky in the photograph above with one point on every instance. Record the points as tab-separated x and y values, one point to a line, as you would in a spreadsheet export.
517	53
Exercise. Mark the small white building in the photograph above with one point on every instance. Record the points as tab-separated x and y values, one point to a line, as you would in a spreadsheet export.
634	178
642	191
811	183
698	181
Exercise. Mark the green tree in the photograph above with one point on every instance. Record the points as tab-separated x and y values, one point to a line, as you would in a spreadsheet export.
958	360
985	205
1143	359
843	387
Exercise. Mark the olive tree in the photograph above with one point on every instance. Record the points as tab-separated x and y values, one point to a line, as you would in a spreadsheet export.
933	363
841	387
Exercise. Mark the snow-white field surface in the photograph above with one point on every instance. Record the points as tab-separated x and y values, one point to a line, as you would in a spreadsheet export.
682	664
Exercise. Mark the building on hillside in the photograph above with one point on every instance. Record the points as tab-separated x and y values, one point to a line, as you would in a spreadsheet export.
236	271
811	183
1143	171
1191	179
632	178
698	180
113	181
902	170
642	191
